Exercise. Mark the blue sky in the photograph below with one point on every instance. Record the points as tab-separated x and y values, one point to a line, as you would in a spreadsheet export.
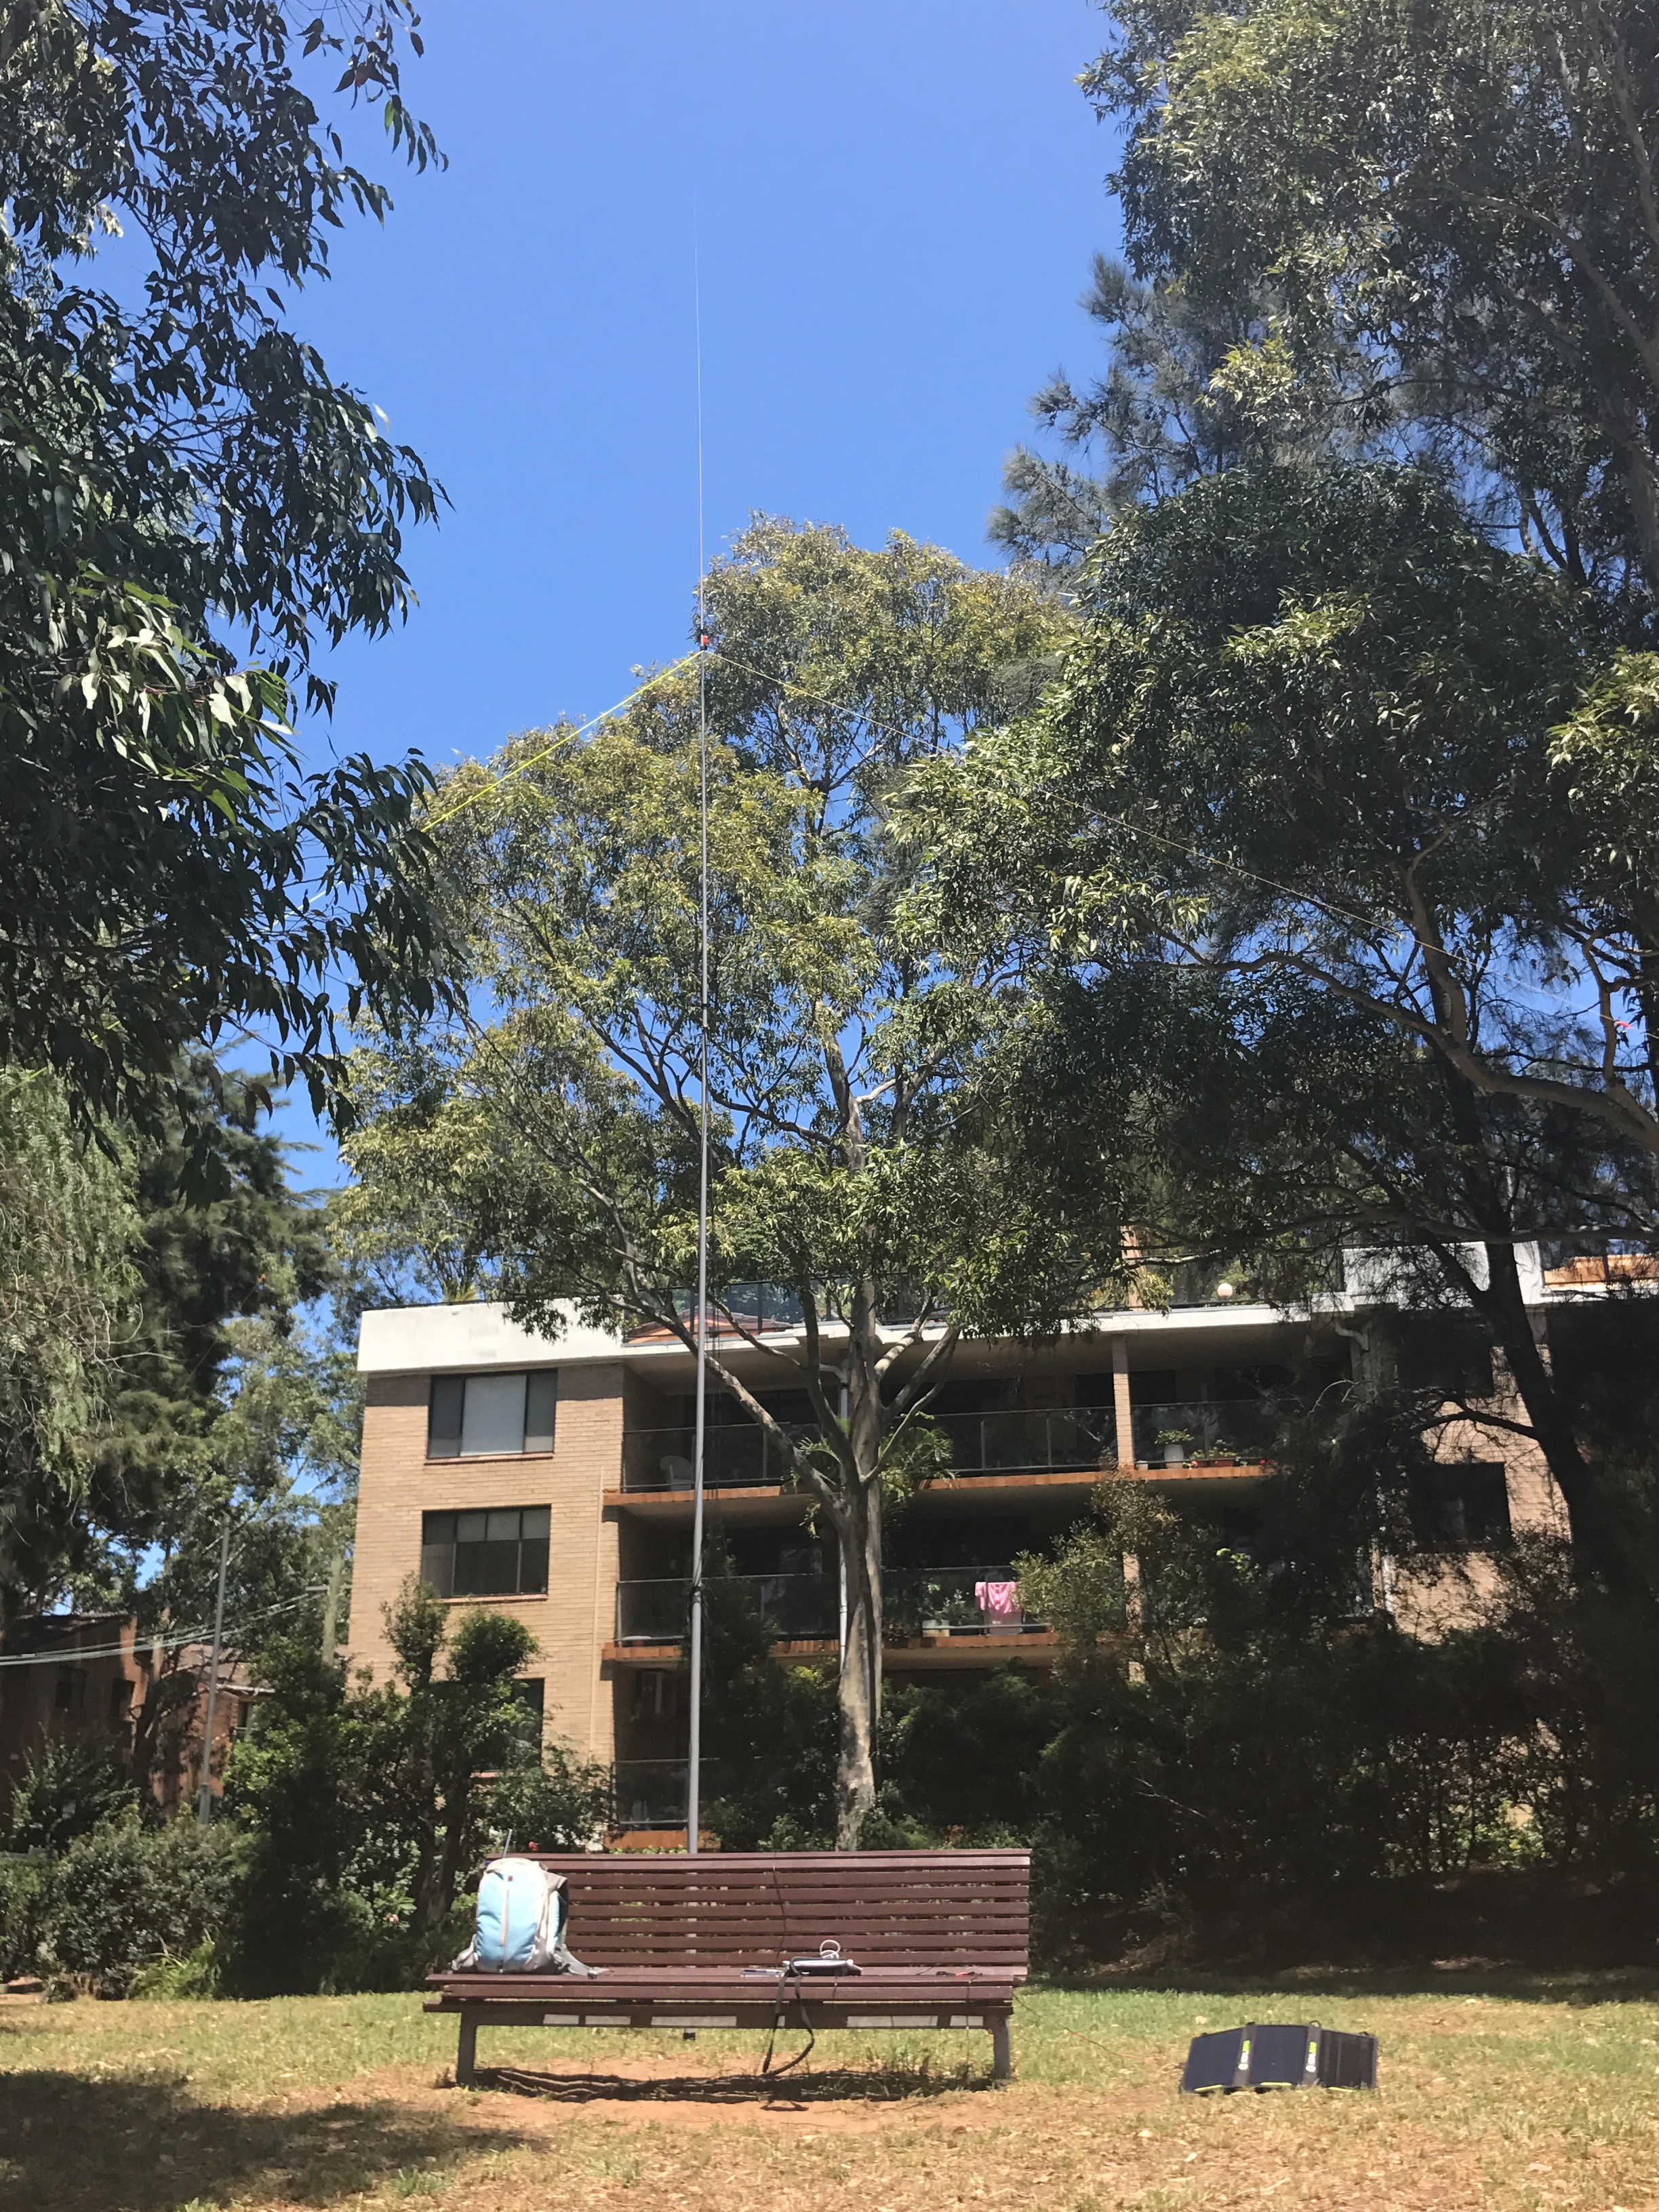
895	201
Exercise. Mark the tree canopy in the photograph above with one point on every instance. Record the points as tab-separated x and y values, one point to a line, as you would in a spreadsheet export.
1445	216
1291	850
154	1376
1181	397
180	479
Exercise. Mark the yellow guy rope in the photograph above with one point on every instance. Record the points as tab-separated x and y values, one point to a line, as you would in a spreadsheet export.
825	699
564	738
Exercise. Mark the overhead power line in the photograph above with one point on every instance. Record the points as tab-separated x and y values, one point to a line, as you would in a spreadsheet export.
175	1640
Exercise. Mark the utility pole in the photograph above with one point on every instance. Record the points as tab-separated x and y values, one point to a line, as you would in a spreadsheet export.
204	1794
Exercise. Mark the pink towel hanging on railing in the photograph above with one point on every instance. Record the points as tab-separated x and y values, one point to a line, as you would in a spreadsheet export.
999	1601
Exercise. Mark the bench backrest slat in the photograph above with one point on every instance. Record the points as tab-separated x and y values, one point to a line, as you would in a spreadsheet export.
928	1909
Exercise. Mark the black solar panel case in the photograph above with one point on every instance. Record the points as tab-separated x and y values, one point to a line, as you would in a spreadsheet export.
1346	2061
1217	2061
1282	2057
1266	2055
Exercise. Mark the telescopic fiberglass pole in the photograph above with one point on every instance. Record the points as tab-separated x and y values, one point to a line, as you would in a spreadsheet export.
694	1739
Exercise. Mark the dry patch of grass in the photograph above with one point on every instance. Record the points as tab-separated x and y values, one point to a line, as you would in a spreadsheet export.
1542	2099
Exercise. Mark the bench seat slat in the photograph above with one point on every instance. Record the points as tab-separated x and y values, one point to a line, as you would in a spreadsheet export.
562	1994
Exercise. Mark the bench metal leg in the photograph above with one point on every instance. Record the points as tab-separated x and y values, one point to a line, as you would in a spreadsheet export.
466	2054
1002	2059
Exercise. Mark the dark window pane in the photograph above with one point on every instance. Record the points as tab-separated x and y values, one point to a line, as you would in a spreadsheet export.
1448	1352
496	1552
1098	1389
1157	1386
529	1699
486	1570
1461	1509
443	1425
541	1408
1237	1383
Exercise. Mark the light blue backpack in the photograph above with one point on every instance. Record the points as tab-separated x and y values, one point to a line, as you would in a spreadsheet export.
520	1923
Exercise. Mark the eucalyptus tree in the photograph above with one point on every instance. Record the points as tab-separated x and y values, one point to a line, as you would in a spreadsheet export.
182	482
554	1136
1296	854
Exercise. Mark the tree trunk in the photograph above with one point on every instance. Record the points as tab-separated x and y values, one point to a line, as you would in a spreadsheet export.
446	1871
858	1528
427	1846
1598	1541
1601	1543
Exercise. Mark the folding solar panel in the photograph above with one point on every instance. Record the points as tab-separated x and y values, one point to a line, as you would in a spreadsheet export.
1268	2055
1282	2057
1347	2060
1216	2062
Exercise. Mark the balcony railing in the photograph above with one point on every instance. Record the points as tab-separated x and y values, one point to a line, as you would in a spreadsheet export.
794	1608
955	1601
1079	1439
806	1608
1215	1428
650	1793
743	1456
1074	1438
740	1457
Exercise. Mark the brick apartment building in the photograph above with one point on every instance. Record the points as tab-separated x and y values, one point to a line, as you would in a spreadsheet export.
552	1479
89	1676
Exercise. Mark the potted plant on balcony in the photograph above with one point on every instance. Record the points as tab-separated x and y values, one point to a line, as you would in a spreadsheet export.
1174	1444
946	1606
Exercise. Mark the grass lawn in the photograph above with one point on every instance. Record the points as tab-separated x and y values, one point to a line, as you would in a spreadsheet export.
1534	2094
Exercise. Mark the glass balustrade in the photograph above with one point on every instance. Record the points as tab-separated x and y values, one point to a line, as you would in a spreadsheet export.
1184	1432
795	1608
806	1608
955	1601
651	1793
1082	1439
739	1456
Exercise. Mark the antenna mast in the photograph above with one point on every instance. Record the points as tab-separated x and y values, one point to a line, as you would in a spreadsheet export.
694	1741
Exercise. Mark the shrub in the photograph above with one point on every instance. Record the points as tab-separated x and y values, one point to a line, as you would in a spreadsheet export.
128	1898
23	1900
563	1804
365	1812
66	1790
200	1973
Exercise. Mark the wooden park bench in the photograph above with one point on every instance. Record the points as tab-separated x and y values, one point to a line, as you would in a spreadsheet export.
941	1938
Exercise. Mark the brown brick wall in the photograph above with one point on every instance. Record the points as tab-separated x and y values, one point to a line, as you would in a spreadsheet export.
1431	1595
399	1483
